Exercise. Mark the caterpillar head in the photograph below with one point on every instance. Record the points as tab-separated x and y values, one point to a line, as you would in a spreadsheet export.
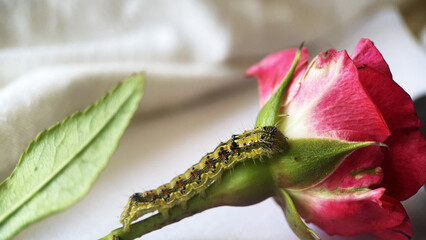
277	138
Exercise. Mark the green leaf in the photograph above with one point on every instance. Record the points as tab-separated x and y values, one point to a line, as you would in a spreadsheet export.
268	115
293	219
309	161
58	168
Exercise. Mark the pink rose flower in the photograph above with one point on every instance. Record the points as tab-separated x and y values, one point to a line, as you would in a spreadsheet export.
351	98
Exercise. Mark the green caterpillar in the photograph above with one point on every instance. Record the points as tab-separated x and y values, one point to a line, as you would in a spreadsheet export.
253	144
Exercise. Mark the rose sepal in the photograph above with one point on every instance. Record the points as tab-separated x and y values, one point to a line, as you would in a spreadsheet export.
269	113
308	161
292	216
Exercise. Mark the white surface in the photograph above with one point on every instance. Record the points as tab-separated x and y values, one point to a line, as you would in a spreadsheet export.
195	94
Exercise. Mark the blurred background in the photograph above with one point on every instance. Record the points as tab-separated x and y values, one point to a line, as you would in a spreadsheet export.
57	57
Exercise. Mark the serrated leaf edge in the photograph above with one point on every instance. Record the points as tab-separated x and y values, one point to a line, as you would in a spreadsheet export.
58	124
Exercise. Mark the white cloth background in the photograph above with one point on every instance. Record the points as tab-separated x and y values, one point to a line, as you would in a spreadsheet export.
57	57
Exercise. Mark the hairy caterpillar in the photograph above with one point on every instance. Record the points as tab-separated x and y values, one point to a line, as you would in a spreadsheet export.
256	143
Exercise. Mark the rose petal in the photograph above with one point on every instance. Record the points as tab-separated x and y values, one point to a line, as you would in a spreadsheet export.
394	103
405	163
366	53
332	103
360	169
272	70
401	232
353	212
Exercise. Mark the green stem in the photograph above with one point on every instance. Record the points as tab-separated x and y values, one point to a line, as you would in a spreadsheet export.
245	184
157	221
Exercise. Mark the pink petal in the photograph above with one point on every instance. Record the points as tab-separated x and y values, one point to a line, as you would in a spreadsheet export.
272	70
366	53
401	232
405	163
393	102
360	169
352	212
332	103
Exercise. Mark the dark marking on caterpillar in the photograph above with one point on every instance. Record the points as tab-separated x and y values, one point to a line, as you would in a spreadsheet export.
253	144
